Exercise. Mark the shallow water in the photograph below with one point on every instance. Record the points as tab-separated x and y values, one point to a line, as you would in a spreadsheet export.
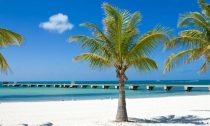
8	94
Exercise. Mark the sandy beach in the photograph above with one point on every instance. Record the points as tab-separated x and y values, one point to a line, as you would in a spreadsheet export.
166	111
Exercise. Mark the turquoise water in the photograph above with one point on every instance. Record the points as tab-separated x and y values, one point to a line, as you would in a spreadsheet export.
52	94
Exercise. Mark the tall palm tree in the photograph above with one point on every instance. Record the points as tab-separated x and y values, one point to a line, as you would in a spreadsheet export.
8	38
196	40
120	46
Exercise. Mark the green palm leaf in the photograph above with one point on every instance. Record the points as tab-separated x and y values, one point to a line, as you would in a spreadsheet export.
3	64
97	32
177	58
193	19
193	33
94	60
186	41
147	42
143	64
9	38
195	55
205	7
88	42
205	67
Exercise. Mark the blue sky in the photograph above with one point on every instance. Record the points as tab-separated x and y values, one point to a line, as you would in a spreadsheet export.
47	55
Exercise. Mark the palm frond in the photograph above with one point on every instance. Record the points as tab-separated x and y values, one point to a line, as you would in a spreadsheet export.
135	18
8	37
146	43
143	64
3	64
205	67
115	23
205	7
112	12
193	33
193	19
97	32
130	32
176	59
195	55
94	60
90	43
186	41
206	50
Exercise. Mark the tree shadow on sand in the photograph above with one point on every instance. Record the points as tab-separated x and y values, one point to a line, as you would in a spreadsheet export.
47	124
201	110
172	119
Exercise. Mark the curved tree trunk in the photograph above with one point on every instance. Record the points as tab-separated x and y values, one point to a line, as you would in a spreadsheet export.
121	110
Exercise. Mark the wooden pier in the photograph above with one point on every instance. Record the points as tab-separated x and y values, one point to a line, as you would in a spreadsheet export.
149	87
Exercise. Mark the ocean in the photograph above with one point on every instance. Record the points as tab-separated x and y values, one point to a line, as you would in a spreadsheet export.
24	94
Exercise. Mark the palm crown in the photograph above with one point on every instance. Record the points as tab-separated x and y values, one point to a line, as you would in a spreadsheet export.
120	45
196	39
7	38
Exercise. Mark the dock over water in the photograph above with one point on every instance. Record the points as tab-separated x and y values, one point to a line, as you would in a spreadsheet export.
149	87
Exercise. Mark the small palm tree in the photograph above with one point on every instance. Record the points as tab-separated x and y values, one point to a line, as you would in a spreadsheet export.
196	40
7	38
120	46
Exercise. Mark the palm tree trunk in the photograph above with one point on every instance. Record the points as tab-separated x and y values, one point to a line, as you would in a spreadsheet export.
121	110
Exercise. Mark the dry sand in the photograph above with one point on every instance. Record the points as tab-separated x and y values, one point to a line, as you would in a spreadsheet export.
165	111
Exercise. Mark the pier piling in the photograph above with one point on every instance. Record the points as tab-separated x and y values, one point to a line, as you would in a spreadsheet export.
116	87
167	88
57	85
74	86
150	88
105	86
133	87
66	86
83	86
93	86
187	88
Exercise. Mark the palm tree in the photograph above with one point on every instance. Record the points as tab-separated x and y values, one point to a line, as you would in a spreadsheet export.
196	40
8	38
120	46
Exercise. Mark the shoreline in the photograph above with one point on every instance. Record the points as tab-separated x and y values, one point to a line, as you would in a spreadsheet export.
177	110
111	98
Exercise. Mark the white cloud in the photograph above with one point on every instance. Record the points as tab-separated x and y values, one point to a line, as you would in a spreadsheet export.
58	23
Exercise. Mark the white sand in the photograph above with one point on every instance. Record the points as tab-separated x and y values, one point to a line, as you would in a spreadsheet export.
185	110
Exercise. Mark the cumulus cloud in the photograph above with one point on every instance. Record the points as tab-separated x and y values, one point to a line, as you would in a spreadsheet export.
58	23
